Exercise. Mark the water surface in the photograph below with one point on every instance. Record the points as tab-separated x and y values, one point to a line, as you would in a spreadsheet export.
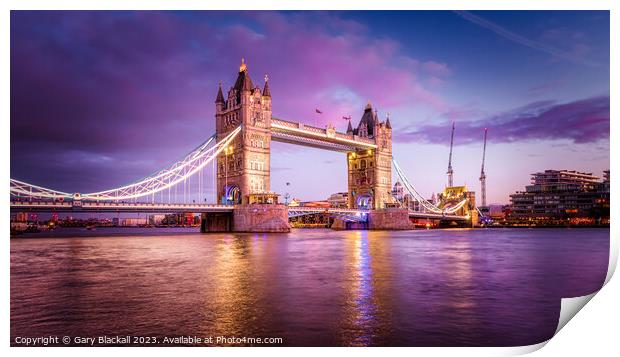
493	287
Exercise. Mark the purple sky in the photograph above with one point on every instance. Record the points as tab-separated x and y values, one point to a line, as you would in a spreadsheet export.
100	99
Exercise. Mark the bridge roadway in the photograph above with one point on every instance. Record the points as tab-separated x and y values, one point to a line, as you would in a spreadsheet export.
351	212
137	207
84	206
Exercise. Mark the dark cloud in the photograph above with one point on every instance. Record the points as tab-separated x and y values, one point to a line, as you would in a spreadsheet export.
546	87
114	95
582	121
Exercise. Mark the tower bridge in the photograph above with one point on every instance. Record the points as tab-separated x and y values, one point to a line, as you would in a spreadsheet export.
244	169
240	153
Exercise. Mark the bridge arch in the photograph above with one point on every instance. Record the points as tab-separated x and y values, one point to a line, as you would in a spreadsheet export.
233	195
364	201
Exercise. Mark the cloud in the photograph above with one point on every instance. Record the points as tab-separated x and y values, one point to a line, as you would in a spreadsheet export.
469	110
582	121
140	86
436	69
574	55
336	70
546	87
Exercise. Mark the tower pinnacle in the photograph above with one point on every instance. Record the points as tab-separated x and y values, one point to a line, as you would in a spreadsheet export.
220	96
242	67
266	91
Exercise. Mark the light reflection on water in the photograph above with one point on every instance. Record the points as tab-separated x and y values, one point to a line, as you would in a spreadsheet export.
360	311
311	287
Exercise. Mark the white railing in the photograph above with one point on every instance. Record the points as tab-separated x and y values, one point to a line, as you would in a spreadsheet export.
286	123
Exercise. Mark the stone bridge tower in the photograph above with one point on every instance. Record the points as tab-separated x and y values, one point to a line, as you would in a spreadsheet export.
243	167
370	171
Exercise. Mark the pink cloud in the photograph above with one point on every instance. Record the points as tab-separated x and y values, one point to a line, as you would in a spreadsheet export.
316	65
436	68
113	83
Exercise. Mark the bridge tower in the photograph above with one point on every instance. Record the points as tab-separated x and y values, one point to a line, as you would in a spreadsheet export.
243	167
370	171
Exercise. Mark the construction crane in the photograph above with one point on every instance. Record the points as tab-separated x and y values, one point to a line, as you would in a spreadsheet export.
483	176
450	172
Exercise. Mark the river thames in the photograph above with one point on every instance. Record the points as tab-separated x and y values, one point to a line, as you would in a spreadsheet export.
484	287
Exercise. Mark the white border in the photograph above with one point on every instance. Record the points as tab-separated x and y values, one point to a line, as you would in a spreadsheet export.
595	329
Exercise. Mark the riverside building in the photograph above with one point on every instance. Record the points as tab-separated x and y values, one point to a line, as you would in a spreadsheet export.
562	197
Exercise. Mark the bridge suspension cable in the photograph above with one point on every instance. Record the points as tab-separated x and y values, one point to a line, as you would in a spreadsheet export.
161	180
23	189
416	195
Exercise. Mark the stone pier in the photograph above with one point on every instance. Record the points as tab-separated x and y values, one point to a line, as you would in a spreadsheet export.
247	218
261	218
273	218
341	225
214	222
389	219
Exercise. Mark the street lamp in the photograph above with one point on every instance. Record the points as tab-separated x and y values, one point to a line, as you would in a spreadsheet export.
287	195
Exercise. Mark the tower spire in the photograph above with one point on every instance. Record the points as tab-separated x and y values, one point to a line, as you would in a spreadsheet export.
483	176
220	96
450	171
244	82
266	91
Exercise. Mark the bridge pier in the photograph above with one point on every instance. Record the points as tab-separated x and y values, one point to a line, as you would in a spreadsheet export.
389	219
261	218
341	225
255	218
214	222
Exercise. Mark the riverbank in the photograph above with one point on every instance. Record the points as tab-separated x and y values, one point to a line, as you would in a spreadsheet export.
63	232
552	226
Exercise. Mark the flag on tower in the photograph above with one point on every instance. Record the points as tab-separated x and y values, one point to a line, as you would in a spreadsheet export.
346	118
318	111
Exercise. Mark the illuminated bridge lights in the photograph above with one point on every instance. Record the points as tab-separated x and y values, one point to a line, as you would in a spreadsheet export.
38	197
423	202
164	179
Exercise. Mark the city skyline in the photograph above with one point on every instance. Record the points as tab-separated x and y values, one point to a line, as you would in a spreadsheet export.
100	99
